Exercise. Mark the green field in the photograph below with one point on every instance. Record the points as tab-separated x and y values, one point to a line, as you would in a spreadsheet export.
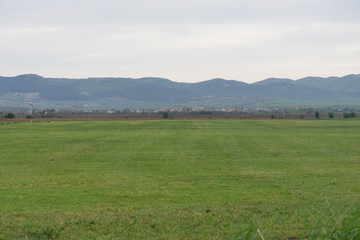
180	179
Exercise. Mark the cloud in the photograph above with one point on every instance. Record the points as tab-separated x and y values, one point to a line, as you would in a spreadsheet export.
113	12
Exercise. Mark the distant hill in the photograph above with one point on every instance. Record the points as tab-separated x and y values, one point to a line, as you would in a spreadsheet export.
150	92
346	84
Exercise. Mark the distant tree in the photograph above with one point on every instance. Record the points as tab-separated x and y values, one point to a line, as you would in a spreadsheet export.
346	115
317	114
272	116
205	112
352	115
28	116
302	116
331	115
165	115
9	115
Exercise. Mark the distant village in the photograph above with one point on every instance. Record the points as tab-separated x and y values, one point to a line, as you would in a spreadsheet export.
288	112
199	110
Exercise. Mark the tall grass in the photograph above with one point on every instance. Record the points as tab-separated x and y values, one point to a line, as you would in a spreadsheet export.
325	224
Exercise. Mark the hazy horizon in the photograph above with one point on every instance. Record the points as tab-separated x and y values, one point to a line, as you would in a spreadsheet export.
89	77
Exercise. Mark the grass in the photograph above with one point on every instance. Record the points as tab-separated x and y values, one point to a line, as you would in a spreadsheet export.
215	179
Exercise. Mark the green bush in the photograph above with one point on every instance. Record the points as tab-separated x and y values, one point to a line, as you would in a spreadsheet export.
352	115
165	115
10	115
317	115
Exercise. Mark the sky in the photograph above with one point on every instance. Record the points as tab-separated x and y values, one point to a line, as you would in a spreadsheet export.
185	41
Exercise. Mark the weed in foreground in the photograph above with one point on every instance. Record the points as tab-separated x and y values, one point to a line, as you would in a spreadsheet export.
326	226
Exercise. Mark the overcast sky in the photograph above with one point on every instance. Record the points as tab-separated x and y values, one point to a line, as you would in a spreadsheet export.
185	41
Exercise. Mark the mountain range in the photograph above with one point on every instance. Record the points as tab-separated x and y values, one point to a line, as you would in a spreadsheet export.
150	92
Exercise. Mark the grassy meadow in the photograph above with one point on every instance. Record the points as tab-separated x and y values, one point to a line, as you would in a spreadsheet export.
180	179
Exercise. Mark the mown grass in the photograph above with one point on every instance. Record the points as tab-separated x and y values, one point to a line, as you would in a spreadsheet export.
215	179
